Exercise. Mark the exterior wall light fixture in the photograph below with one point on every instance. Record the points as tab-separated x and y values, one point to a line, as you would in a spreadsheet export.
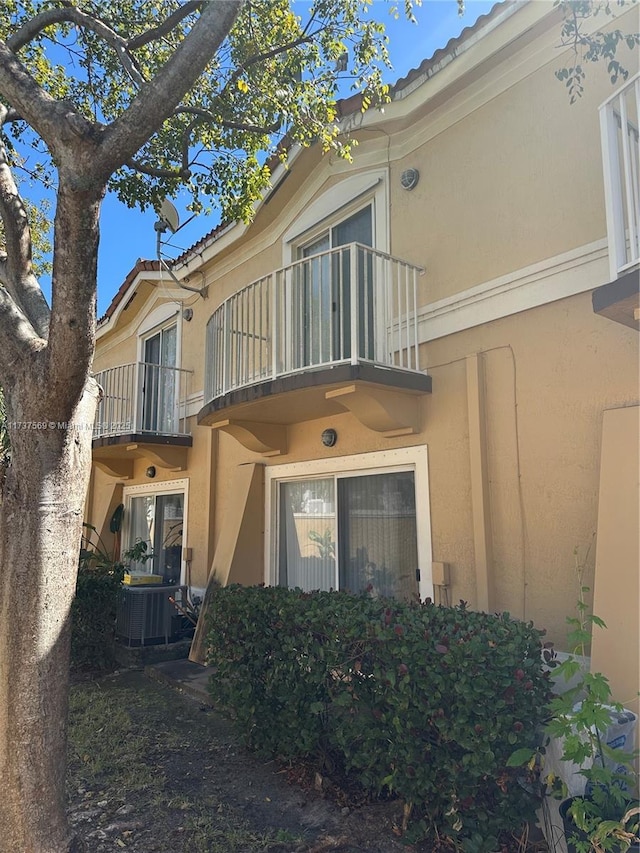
409	179
329	437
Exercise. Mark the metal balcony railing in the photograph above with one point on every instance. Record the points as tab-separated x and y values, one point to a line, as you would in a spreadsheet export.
142	397
350	304
621	161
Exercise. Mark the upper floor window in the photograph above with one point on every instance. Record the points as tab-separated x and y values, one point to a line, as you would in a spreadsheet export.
357	228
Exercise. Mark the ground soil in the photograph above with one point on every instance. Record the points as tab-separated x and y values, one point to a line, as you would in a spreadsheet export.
183	783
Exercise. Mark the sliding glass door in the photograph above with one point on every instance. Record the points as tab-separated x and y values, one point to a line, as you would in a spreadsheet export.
157	519
325	295
159	379
354	532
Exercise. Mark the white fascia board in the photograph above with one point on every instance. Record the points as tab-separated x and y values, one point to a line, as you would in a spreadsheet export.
149	275
568	274
229	235
446	73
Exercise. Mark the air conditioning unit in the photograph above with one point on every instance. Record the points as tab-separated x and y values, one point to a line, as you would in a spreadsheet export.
145	615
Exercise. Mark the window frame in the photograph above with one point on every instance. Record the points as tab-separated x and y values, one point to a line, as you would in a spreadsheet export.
166	487
341	201
413	459
158	321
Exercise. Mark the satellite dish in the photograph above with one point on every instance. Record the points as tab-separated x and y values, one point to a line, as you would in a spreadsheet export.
169	216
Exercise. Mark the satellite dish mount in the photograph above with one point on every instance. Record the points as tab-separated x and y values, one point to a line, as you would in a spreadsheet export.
168	220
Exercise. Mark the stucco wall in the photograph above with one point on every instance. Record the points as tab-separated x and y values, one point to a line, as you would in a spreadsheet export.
549	373
510	175
615	650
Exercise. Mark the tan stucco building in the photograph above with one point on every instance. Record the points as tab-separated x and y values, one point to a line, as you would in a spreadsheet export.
417	371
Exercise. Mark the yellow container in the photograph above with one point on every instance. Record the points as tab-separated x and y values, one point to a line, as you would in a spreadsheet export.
141	580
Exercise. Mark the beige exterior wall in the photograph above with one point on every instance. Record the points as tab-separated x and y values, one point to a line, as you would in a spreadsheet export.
510	176
617	589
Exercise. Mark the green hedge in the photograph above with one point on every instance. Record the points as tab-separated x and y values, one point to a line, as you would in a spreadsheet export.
93	618
424	702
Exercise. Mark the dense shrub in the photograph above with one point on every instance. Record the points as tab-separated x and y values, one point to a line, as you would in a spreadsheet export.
424	702
93	617
93	612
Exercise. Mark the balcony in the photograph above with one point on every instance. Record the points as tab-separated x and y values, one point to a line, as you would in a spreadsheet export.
334	328
621	161
619	128
142	413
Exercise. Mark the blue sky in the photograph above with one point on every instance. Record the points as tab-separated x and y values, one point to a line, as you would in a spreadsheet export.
127	235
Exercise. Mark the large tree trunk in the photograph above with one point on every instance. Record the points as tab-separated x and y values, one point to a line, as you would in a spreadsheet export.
40	528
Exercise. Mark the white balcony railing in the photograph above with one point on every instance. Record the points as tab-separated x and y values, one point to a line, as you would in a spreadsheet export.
621	161
346	305
142	398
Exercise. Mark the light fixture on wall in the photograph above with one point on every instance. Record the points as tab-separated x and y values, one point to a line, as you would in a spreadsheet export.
329	437
187	315
409	179
151	472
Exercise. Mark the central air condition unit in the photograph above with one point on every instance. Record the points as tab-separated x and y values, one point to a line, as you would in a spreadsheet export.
145	615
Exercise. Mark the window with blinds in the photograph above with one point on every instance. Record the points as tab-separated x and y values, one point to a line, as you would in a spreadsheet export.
353	532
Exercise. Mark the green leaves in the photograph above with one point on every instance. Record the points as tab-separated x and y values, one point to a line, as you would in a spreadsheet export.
589	45
328	676
277	75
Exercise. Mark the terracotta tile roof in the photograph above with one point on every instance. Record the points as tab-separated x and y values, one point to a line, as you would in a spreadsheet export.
345	107
451	47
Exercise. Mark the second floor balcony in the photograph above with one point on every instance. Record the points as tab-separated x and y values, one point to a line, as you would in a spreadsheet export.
142	412
621	161
343	315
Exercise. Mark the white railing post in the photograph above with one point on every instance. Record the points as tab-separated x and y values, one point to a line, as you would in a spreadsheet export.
354	302
275	330
630	192
612	190
414	313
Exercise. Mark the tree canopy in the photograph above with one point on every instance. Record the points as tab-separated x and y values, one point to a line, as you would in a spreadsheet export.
276	74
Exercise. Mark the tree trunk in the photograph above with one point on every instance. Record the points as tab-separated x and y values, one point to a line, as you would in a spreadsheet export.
40	528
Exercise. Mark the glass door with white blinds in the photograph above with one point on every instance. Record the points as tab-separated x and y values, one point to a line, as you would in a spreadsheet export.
353	531
156	518
325	295
159	381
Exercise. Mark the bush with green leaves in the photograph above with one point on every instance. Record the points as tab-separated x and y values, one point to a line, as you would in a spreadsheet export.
422	702
93	612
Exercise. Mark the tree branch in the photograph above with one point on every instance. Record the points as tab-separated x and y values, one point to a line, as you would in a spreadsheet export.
20	280
166	26
58	123
206	116
269	54
18	341
71	15
154	172
158	98
73	309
